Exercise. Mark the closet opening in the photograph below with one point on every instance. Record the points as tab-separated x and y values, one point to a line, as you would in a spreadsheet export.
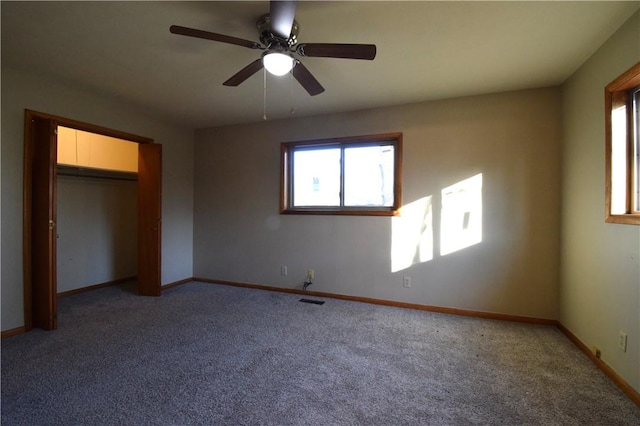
106	185
96	227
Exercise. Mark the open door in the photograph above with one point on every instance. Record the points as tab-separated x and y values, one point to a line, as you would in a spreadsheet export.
149	218
43	152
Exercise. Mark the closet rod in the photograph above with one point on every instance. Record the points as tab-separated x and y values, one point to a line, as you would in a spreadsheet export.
96	173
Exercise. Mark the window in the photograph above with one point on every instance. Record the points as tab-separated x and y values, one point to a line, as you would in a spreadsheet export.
349	176
622	103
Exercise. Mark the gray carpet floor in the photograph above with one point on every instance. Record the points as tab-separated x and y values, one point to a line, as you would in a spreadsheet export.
206	354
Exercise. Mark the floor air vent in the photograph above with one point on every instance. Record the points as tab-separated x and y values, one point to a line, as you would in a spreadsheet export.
315	302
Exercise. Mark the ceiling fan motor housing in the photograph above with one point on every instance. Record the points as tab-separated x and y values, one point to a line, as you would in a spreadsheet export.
272	41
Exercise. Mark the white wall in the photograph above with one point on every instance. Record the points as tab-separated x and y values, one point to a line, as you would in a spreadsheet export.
97	231
513	139
600	291
22	90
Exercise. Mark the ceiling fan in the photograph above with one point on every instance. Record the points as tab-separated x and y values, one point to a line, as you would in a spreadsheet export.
278	33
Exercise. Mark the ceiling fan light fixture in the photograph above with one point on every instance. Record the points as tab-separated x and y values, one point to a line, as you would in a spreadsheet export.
278	63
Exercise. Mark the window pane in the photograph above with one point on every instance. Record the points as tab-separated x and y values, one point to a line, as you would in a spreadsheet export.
316	177
619	160
368	176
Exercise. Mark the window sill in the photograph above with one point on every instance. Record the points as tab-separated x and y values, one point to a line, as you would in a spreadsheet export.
341	212
628	219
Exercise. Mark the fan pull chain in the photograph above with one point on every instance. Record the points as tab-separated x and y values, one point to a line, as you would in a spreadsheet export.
264	102
292	110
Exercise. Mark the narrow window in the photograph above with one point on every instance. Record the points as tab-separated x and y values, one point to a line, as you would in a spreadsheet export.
622	104
355	175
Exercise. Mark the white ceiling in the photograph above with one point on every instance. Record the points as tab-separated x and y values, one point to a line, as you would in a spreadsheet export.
426	51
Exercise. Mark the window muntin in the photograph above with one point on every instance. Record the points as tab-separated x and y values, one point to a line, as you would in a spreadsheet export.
355	175
622	100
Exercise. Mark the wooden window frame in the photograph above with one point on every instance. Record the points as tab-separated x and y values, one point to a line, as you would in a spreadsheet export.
286	159
618	93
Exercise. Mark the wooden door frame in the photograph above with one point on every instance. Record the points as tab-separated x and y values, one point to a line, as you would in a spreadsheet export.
29	149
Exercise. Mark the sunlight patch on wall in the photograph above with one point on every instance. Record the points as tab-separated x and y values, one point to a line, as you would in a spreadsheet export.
412	235
461	217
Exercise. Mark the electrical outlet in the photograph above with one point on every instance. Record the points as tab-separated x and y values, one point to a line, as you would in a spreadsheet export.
622	341
283	270
311	274
406	282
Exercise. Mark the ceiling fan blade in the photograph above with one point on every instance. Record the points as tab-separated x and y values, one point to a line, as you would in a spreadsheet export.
190	32
245	73
307	80
338	50
282	14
